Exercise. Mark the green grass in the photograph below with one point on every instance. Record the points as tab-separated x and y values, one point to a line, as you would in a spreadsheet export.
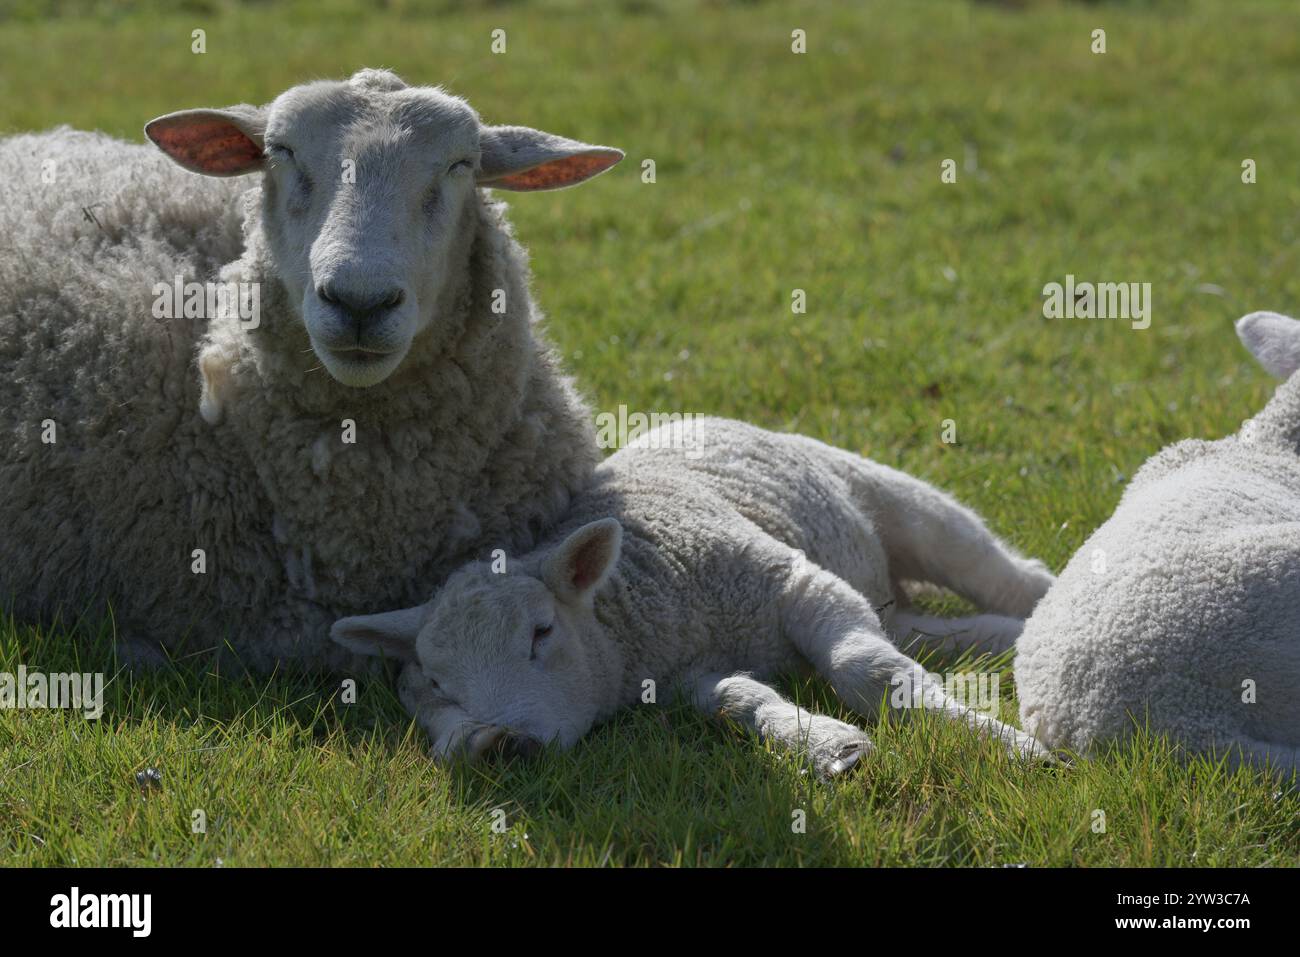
775	172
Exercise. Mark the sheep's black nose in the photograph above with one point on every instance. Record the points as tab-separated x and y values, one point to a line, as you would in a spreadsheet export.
362	308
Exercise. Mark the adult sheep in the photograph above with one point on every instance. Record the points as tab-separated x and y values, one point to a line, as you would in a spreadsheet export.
1183	610
242	479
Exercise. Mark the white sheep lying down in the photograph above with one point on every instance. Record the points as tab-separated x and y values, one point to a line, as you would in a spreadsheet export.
708	555
240	481
1182	611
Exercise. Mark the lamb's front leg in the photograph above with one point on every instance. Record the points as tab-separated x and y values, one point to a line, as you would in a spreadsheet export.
453	732
838	631
833	745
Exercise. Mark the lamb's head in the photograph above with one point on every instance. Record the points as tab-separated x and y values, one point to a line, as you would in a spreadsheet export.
369	200
518	649
1274	340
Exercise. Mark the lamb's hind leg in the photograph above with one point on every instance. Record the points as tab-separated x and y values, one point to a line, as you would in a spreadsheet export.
833	746
838	631
988	633
931	537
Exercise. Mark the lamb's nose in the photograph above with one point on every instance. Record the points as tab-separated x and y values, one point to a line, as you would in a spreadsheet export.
511	744
514	745
362	308
494	741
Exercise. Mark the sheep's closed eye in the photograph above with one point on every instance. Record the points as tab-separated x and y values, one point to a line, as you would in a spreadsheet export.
281	155
459	166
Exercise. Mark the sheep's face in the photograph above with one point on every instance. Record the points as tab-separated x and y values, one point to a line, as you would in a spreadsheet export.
517	649
369	203
367	199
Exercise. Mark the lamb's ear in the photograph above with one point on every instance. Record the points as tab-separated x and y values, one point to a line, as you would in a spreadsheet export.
1272	339
391	634
576	570
519	158
212	142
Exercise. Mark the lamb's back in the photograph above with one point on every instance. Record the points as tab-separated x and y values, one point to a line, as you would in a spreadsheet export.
713	528
790	487
1173	602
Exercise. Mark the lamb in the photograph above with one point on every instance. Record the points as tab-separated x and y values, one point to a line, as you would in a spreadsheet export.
373	401
707	555
1182	611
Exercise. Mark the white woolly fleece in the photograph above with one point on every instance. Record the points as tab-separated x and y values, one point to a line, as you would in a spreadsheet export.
480	440
1183	609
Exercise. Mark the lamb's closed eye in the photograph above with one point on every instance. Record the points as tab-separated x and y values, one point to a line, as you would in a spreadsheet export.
540	634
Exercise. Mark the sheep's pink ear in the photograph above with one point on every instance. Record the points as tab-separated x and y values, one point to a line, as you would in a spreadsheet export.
211	142
1274	340
577	569
391	634
519	158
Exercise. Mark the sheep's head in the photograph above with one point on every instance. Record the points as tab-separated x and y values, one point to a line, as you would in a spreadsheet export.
515	649
368	193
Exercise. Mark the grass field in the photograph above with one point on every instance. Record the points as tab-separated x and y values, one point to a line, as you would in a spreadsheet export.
775	171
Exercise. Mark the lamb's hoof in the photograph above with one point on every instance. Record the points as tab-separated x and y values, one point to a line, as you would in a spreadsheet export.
836	748
846	761
1025	747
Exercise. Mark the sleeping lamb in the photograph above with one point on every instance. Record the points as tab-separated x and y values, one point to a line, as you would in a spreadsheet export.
707	548
1182	611
370	404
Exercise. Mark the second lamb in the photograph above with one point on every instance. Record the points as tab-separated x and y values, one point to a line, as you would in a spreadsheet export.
709	555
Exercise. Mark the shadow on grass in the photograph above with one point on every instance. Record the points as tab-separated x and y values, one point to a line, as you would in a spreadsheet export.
208	687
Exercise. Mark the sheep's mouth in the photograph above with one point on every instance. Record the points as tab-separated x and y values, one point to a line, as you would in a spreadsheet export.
361	354
360	366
